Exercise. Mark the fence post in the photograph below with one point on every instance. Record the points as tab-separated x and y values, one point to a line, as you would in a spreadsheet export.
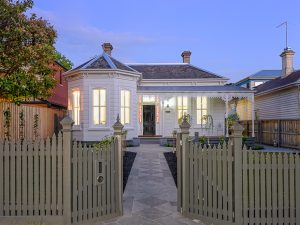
67	124
238	178
118	126
184	127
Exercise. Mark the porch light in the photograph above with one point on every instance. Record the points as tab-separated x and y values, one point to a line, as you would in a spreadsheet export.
168	109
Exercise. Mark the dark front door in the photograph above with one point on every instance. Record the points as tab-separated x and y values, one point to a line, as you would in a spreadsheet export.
149	119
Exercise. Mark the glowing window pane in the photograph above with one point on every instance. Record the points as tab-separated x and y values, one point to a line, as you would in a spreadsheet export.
99	106
202	110
76	107
96	115
125	107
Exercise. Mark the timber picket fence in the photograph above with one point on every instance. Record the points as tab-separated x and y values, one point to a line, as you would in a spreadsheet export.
57	181
230	185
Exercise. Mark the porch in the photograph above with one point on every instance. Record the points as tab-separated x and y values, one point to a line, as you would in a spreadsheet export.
161	108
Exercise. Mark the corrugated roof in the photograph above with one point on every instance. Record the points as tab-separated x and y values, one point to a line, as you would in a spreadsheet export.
227	88
279	82
172	71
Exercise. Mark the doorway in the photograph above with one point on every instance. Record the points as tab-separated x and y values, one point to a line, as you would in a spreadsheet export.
149	120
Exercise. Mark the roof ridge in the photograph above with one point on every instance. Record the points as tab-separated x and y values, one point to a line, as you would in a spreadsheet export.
108	60
90	62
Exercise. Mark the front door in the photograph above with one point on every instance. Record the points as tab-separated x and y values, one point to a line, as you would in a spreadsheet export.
149	119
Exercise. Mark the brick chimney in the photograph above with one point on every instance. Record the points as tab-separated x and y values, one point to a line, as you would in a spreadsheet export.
287	62
186	57
107	48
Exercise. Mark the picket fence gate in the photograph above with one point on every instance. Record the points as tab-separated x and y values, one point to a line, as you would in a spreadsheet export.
59	181
232	185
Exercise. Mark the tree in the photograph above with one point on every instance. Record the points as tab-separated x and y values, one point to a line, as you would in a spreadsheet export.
63	60
26	51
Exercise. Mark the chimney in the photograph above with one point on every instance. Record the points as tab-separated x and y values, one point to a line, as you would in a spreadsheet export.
107	48
287	62
186	57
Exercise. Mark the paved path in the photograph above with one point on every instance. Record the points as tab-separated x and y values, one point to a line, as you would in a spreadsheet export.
269	148
150	196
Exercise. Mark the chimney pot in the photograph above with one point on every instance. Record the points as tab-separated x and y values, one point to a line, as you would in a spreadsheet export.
107	48
287	62
186	57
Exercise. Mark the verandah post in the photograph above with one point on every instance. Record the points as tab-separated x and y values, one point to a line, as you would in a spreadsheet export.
118	126
184	127
67	124
236	138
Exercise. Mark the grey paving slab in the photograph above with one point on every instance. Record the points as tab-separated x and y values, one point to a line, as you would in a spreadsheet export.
150	196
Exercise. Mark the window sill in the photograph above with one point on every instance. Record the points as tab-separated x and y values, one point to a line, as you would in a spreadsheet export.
76	128
99	129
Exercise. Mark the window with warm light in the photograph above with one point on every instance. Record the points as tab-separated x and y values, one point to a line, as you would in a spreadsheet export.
76	107
201	110
99	106
125	107
182	106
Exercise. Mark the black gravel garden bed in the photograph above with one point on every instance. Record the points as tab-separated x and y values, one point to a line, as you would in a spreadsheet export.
128	160
172	163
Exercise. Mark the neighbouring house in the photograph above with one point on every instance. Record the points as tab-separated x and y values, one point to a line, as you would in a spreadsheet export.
258	78
150	98
44	114
277	107
277	98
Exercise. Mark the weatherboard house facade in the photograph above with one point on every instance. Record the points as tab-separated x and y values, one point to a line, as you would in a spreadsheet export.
150	99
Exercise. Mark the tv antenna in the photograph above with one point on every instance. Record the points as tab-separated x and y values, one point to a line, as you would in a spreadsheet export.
286	32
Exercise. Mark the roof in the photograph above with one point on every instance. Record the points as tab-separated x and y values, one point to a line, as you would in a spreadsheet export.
61	65
220	88
172	71
266	74
103	61
261	75
279	82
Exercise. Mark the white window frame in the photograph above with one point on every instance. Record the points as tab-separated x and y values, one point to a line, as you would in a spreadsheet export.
100	106
181	108
201	110
76	106
124	109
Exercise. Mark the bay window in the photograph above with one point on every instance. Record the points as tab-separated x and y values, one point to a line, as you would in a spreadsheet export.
201	110
125	107
99	106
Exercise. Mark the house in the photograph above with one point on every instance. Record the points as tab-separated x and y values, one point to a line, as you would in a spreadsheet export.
151	98
59	99
277	98
43	114
258	78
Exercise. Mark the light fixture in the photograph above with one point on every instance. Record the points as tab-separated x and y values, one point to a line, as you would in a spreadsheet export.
168	110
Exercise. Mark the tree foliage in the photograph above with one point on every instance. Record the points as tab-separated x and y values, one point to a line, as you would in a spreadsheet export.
63	60
26	51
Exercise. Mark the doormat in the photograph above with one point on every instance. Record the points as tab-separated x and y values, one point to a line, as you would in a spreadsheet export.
172	163
128	160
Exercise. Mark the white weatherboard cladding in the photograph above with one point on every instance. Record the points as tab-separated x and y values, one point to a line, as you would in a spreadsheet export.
279	105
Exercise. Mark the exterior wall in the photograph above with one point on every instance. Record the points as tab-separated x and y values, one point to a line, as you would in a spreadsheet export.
279	105
113	83
60	91
168	122
244	109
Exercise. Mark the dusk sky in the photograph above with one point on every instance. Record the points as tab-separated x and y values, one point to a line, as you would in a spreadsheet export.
231	38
